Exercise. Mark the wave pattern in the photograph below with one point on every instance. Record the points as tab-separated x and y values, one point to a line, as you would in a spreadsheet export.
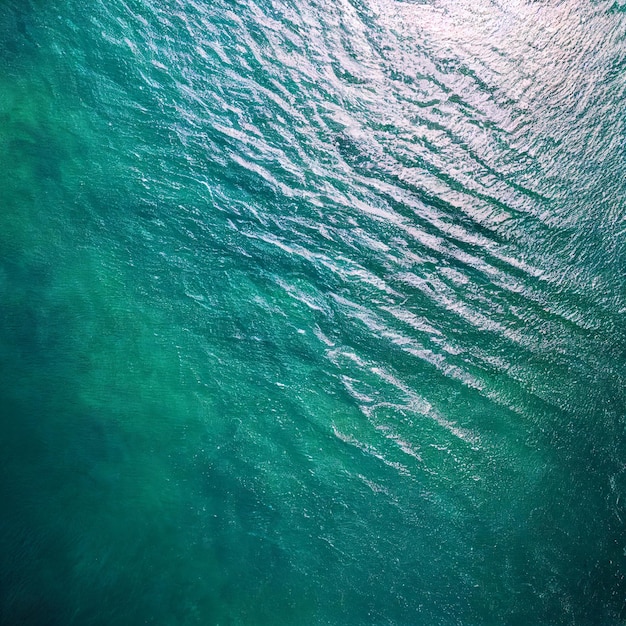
386	240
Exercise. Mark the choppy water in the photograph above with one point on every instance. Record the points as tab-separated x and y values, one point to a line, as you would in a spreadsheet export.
312	312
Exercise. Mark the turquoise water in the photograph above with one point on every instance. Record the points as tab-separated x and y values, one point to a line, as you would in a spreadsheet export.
312	313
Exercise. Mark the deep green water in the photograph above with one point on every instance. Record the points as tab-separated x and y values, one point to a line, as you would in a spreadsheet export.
312	312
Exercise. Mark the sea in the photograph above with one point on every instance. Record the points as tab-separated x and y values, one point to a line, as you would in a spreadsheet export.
313	313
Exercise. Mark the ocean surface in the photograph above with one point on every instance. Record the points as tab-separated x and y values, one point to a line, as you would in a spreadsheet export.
312	313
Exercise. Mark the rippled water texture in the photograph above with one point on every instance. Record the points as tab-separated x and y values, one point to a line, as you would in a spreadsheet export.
312	312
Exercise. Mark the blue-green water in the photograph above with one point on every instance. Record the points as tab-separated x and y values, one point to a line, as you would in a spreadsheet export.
312	313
